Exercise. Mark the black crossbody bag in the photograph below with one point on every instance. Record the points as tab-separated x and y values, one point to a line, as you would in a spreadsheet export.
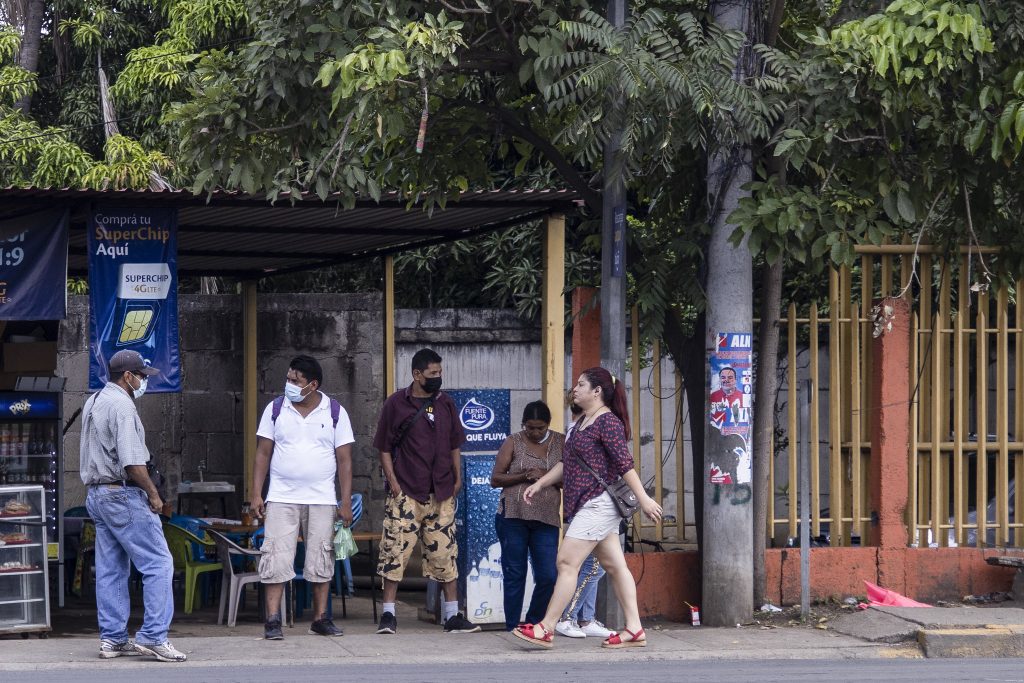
403	429
622	496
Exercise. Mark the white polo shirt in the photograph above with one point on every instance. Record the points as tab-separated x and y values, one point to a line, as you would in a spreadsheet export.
303	468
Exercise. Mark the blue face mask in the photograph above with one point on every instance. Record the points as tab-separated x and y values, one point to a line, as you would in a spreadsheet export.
294	393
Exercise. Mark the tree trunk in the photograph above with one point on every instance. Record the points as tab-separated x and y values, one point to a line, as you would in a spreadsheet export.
28	56
727	558
766	389
687	352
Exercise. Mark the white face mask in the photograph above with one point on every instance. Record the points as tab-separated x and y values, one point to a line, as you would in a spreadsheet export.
143	384
294	393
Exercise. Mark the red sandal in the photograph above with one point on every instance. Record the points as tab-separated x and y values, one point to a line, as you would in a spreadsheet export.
534	634
615	640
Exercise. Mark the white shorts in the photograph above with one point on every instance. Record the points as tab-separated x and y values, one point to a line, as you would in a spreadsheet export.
595	520
282	526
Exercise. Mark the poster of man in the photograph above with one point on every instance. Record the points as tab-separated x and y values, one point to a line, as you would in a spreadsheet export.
731	386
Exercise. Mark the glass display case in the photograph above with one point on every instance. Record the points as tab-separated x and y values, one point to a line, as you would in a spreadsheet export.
31	453
24	584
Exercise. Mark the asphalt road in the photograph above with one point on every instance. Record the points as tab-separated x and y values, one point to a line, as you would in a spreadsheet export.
724	671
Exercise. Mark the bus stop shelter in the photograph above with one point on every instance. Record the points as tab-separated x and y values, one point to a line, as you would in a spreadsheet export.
247	237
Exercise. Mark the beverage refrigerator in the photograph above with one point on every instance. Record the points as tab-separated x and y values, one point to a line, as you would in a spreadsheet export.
32	454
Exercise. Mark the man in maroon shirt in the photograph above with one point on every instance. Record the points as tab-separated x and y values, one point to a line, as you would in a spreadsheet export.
419	435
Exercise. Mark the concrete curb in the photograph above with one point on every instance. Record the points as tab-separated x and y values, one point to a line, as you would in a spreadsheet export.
988	641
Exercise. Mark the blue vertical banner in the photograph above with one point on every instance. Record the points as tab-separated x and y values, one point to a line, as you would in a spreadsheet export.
133	291
34	266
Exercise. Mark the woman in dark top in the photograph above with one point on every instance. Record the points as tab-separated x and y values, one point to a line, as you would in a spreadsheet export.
528	530
599	438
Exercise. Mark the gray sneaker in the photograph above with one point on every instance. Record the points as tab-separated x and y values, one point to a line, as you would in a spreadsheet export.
109	649
164	652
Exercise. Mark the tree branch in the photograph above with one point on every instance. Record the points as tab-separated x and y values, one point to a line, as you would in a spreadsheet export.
565	168
463	10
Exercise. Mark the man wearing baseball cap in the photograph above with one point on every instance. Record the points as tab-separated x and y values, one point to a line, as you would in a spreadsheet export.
125	505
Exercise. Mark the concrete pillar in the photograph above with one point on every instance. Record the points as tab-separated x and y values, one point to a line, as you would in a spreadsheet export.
890	423
586	327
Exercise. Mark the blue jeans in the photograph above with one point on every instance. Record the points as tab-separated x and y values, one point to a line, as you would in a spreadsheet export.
584	600
520	538
128	532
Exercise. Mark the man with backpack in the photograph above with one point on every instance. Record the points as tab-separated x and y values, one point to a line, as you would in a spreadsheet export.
419	436
305	442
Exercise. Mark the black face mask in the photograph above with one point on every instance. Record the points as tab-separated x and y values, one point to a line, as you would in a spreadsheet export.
431	385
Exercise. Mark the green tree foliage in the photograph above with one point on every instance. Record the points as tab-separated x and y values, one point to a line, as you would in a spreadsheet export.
923	139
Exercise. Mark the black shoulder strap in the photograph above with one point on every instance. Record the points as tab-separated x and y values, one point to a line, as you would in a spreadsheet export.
404	428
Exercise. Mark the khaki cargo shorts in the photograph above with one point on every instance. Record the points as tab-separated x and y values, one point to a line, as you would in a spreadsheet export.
283	523
433	524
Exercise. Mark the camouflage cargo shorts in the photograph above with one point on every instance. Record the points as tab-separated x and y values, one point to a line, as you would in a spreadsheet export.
433	524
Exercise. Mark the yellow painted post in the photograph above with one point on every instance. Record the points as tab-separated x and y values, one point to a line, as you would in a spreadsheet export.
659	490
938	397
814	434
962	368
680	448
959	391
835	419
794	436
981	410
635	372
1018	422
1002	417
913	456
249	396
553	319
942	341
856	450
389	325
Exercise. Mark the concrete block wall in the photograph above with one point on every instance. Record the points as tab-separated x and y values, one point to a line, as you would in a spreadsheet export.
205	422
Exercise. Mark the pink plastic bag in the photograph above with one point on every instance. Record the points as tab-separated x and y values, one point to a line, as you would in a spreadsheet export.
883	597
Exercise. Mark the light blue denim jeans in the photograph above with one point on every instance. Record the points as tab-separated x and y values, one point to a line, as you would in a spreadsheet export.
584	601
127	533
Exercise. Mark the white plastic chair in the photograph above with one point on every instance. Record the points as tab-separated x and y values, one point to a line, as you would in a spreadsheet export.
234	581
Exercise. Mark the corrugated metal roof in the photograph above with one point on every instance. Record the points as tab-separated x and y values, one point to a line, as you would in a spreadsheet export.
239	235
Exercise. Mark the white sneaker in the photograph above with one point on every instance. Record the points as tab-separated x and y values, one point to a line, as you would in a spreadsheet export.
569	628
165	652
596	629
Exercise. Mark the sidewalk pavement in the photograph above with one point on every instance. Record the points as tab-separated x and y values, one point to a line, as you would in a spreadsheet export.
941	631
75	641
873	633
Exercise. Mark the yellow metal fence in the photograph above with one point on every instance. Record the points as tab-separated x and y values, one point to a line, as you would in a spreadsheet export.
965	392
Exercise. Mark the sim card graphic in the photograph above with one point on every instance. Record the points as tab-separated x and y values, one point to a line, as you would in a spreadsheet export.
141	289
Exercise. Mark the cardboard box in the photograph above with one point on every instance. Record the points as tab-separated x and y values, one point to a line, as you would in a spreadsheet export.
30	357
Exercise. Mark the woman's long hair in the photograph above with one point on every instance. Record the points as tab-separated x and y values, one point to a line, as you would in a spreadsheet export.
612	393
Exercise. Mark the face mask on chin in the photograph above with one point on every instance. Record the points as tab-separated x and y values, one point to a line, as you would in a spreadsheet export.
431	385
294	393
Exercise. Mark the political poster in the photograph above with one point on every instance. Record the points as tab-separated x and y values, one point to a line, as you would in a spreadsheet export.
486	417
133	291
731	401
34	266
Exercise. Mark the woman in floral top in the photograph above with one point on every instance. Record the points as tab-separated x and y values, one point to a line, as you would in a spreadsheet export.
600	439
